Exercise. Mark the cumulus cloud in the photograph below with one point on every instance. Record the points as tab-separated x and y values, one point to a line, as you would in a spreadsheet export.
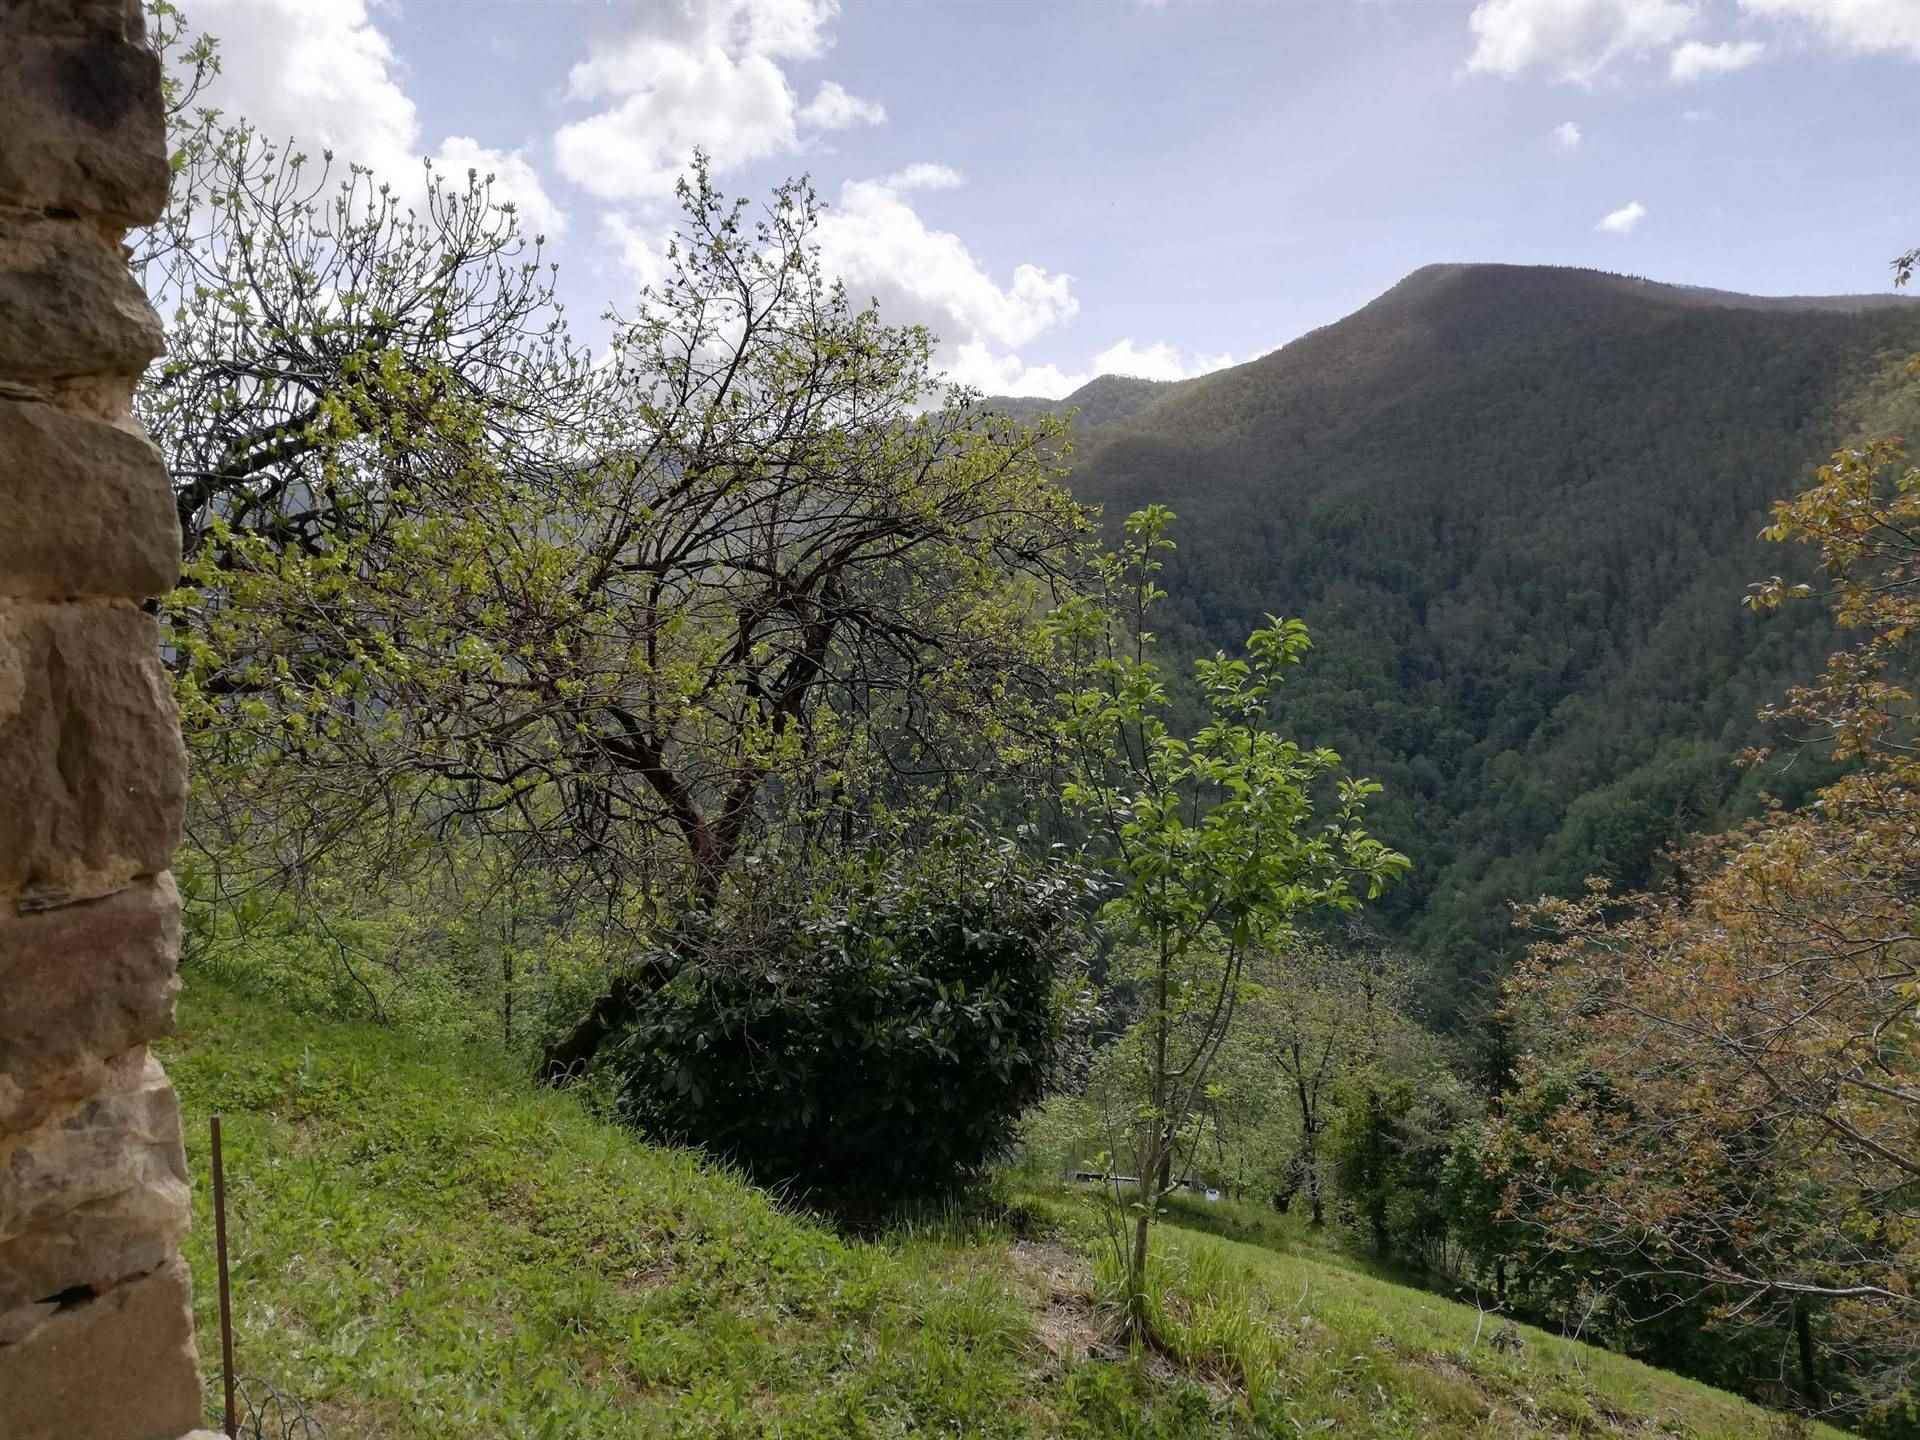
701	74
640	247
1697	58
1624	220
1567	135
999	374
322	74
1574	39
832	108
515	181
996	373
1860	26
923	175
875	241
1158	361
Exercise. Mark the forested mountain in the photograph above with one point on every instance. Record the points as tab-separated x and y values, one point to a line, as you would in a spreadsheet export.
1518	508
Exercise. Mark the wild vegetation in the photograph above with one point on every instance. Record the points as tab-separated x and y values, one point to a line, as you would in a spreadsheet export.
755	736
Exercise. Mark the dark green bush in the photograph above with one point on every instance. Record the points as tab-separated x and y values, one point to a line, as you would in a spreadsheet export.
867	1035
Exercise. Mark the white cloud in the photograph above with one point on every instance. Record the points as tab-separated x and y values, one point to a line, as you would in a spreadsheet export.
832	108
1862	26
1158	361
736	110
976	364
515	181
1576	39
1623	220
641	248
872	239
1567	135
882	248
875	241
698	74
1696	58
923	175
321	73
979	366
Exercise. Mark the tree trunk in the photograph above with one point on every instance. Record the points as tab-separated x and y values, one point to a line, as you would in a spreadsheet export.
1310	1172
1308	1158
1156	1168
1803	1332
506	998
567	1058
1137	1278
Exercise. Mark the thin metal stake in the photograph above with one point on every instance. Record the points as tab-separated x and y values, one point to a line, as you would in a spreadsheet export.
226	1301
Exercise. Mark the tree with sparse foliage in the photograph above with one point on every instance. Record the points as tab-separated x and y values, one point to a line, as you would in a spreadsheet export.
1323	1017
760	574
1215	845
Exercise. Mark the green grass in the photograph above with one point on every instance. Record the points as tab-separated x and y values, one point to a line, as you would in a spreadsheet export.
424	1245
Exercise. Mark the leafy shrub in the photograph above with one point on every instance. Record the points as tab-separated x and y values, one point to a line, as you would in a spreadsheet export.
866	1035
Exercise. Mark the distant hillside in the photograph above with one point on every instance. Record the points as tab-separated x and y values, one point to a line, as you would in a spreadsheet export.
1518	508
1104	400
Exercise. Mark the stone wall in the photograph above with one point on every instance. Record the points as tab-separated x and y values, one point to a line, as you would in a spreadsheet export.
96	1334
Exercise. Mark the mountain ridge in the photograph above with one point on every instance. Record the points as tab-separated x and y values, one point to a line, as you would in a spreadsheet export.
1517	506
1112	397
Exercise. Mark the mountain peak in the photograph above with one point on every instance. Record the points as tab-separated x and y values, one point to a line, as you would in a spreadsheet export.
1518	506
1432	280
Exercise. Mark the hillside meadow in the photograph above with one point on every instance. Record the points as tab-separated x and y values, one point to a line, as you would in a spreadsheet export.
424	1244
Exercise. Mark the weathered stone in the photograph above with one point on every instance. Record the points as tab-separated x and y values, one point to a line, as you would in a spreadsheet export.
83	983
84	131
92	773
96	1193
120	1364
121	19
68	303
88	508
21	1321
96	1323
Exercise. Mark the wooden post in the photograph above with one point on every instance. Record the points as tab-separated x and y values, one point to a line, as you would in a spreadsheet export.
226	1297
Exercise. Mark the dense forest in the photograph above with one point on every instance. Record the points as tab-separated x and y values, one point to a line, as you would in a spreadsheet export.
1518	508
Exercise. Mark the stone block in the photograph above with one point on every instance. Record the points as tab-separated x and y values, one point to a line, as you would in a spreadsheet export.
21	1321
83	984
84	131
88	507
120	19
96	1193
68	303
121	1364
92	772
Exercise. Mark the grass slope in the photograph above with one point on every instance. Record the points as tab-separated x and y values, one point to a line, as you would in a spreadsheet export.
424	1245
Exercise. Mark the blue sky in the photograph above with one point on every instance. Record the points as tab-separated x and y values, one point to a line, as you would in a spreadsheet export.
1060	187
